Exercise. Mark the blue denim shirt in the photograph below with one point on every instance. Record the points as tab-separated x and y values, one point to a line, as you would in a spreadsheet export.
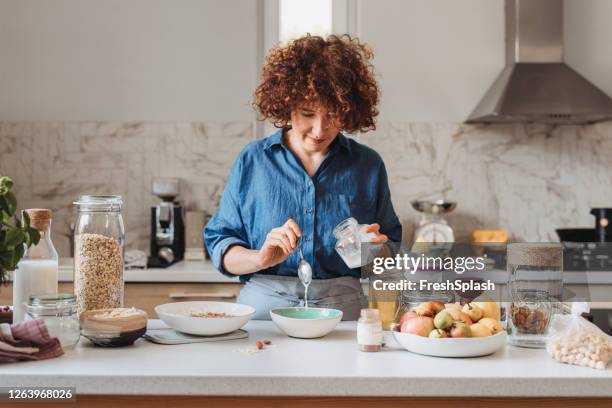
268	185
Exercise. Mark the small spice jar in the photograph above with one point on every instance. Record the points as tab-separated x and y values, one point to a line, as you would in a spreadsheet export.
369	330
59	312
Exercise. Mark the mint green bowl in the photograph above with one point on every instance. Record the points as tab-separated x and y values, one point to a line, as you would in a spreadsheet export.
306	323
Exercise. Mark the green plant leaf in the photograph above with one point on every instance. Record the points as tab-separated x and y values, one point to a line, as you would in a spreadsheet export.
14	237
12	202
32	236
5	181
26	218
4	205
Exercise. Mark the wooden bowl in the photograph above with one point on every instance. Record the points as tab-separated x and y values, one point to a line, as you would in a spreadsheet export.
113	327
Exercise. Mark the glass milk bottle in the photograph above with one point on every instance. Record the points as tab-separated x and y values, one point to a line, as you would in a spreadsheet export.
37	272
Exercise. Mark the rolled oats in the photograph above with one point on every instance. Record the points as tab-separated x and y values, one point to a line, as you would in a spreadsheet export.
98	274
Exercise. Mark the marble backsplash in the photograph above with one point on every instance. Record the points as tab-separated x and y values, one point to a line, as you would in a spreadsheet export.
52	163
528	179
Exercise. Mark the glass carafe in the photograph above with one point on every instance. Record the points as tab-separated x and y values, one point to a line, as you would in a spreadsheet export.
37	271
99	239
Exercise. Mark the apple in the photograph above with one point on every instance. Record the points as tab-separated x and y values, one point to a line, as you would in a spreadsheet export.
437	306
473	311
406	316
421	326
460	329
425	309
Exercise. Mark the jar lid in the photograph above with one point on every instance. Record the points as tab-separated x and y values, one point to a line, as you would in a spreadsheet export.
535	254
370	313
52	303
99	203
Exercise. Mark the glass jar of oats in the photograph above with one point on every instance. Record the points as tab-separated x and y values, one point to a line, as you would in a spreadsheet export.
99	238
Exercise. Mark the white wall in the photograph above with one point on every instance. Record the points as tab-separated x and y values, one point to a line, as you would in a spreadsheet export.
197	59
436	58
588	35
127	59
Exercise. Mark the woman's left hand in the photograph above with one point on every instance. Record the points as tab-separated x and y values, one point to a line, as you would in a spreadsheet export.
379	238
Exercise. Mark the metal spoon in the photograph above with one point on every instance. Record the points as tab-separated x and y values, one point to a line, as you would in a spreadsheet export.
305	274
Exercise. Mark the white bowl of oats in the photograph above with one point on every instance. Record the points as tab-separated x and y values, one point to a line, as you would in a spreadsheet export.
205	318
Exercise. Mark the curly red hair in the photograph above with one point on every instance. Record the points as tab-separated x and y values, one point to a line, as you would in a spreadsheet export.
334	72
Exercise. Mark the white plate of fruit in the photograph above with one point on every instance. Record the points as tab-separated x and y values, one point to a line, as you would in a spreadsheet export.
451	330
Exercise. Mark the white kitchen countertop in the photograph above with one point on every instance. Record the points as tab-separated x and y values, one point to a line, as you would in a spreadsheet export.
331	366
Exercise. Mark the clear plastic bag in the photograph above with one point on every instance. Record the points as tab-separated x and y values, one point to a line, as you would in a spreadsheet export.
574	340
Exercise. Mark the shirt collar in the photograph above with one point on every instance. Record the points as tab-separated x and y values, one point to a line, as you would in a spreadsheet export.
276	139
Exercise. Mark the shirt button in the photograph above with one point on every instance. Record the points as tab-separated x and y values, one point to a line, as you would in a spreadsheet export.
307	238
309	211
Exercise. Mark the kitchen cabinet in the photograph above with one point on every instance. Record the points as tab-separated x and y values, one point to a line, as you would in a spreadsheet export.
146	296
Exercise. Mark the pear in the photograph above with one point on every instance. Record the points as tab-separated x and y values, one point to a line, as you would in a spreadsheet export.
491	324
473	311
480	330
443	320
437	334
489	308
452	306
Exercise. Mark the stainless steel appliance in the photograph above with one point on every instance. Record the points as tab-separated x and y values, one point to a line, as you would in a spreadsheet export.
589	249
537	85
167	226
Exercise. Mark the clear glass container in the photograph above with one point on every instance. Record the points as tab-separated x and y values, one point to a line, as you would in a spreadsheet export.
59	312
37	271
386	301
349	237
535	274
99	239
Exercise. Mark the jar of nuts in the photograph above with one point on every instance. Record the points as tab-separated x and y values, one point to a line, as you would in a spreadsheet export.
530	313
535	272
99	238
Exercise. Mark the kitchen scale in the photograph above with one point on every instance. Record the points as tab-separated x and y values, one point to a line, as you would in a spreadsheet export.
433	232
433	238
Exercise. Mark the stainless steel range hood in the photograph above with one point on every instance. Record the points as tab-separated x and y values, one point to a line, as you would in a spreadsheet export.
536	85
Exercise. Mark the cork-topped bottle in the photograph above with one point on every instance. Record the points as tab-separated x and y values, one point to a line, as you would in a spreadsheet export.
37	272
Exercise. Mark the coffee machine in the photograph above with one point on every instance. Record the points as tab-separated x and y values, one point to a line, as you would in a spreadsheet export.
167	225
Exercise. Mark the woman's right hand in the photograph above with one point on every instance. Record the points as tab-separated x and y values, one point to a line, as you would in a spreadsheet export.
280	243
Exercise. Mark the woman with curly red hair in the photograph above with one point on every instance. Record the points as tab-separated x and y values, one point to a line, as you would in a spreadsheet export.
289	190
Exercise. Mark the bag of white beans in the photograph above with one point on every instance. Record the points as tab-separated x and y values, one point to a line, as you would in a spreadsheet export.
574	340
